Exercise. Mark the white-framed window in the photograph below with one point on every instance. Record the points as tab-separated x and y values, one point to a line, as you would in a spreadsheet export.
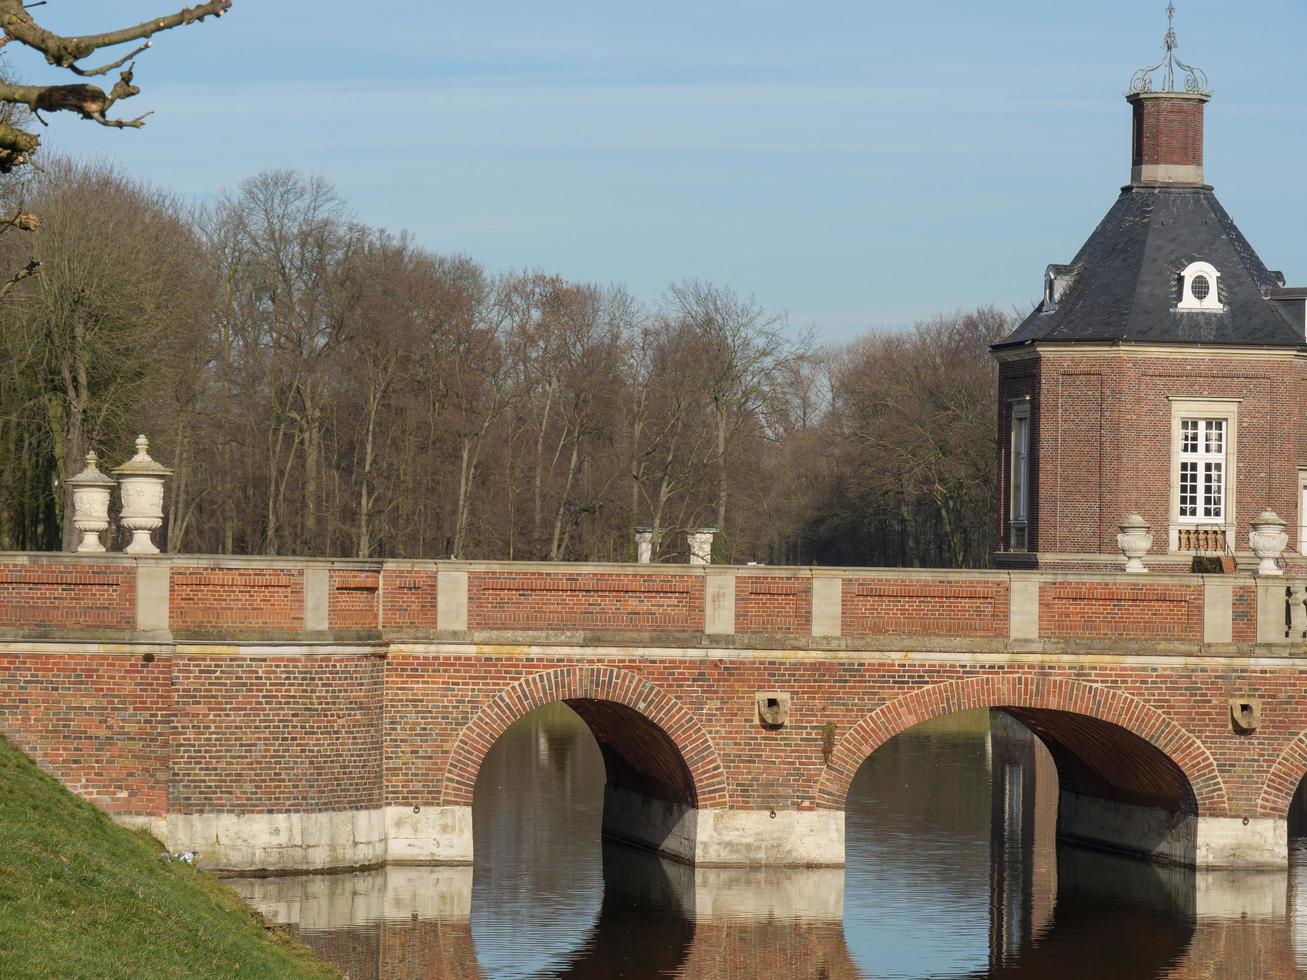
1203	440
1019	476
1202	471
1200	288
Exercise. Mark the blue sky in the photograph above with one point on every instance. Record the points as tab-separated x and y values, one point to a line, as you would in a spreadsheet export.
856	164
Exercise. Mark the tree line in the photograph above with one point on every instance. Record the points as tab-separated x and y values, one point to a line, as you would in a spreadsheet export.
323	387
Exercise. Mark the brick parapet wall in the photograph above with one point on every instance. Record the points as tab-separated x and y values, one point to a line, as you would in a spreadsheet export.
773	605
352	603
920	606
40	592
409	597
629	599
236	598
101	598
1073	610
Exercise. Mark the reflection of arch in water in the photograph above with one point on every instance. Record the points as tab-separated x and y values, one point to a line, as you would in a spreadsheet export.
664	918
1115	917
1130	777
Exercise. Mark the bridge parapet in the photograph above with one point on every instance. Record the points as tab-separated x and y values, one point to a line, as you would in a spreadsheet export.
199	598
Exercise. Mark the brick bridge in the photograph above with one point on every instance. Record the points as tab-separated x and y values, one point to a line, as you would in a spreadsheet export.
287	713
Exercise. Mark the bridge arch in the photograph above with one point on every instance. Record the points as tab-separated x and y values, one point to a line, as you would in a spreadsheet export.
1283	780
1050	707
645	735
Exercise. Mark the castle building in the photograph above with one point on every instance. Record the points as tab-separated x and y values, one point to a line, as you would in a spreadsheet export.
1162	374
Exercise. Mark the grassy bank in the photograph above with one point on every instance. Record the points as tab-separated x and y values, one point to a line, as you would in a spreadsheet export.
82	897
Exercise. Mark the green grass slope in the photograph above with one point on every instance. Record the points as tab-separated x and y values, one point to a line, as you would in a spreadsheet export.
83	897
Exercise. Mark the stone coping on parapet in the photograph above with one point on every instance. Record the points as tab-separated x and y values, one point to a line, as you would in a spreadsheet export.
607	648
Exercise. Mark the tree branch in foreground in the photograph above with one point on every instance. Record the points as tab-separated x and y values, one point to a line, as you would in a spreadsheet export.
88	101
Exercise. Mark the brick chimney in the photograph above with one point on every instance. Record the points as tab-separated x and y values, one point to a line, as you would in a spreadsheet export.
1168	137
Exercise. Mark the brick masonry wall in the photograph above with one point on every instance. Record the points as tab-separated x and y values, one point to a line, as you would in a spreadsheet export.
276	734
454	709
659	602
352	604
773	605
69	595
408	599
916	607
99	723
1167	131
212	599
251	734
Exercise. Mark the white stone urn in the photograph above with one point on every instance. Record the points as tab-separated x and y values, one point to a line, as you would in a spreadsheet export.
91	491
141	481
644	545
700	542
1268	541
1134	542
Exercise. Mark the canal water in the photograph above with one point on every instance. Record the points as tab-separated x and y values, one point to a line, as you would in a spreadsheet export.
953	871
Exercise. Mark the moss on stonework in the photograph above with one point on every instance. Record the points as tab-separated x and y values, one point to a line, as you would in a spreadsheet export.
82	897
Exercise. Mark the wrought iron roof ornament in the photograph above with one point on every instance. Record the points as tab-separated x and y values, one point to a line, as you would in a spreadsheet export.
1195	80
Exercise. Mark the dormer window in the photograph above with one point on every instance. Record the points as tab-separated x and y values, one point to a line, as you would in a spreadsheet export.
1057	280
1199	288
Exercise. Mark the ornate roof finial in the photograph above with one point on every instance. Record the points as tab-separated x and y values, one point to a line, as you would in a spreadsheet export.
1195	80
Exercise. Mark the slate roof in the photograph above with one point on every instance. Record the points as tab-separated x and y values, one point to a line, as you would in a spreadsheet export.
1127	280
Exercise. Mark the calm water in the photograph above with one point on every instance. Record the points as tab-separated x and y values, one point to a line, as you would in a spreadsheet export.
953	871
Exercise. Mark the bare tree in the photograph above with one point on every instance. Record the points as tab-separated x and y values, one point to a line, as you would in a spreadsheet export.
744	351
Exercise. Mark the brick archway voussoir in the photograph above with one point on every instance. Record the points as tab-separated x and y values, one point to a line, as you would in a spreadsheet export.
1029	691
584	682
1282	781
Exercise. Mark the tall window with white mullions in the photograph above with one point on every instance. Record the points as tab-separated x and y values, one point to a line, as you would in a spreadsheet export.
1202	471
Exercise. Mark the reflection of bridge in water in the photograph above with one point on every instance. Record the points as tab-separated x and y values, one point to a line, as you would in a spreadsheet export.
416	922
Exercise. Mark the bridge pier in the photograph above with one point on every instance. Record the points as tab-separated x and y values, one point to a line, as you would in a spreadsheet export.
719	838
1173	838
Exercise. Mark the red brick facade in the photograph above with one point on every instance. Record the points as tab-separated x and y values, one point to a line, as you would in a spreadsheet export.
1101	441
273	734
